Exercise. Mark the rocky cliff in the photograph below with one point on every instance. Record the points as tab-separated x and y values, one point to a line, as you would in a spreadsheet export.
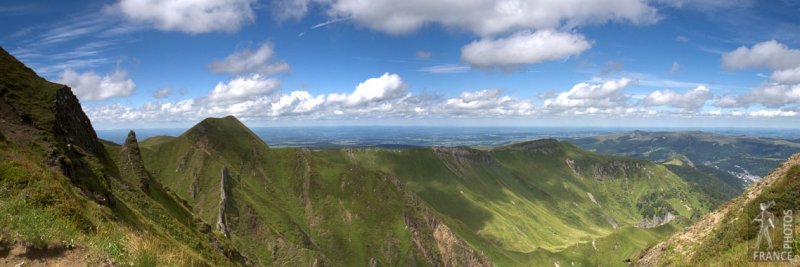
222	222
49	116
133	156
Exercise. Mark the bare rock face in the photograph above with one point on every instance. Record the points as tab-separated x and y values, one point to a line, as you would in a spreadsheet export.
134	158
72	126
222	223
195	188
656	221
437	243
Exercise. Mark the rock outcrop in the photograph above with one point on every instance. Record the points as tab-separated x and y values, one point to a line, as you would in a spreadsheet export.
222	222
72	126
35	111
656	221
134	159
447	248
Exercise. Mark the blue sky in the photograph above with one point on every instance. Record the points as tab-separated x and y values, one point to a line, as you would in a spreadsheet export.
153	63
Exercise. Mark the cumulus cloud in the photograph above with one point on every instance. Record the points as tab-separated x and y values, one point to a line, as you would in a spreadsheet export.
523	48
387	86
488	102
249	60
488	17
297	102
90	86
788	76
768	95
190	16
243	88
606	95
782	60
772	95
727	102
769	54
690	100
771	113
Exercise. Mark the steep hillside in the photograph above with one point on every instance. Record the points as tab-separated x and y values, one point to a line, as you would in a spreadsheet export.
290	207
746	157
63	200
543	201
727	235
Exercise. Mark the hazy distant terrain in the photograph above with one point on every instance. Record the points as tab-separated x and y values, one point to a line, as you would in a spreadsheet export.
409	136
748	157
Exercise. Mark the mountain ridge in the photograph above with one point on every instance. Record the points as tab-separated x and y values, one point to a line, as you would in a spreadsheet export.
219	195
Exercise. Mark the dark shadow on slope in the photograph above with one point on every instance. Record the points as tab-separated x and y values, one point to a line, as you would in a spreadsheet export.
455	206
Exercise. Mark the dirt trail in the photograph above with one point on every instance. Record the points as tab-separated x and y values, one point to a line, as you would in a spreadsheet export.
24	257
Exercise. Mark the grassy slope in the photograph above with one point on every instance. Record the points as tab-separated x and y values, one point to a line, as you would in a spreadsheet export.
42	208
289	206
528	201
160	212
730	240
711	181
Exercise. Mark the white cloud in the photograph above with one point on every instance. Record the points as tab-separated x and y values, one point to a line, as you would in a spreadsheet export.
595	96
487	102
690	100
297	102
769	54
248	60
772	95
727	102
768	95
387	86
190	16
782	60
789	76
245	87
770	113
89	86
523	48
488	17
